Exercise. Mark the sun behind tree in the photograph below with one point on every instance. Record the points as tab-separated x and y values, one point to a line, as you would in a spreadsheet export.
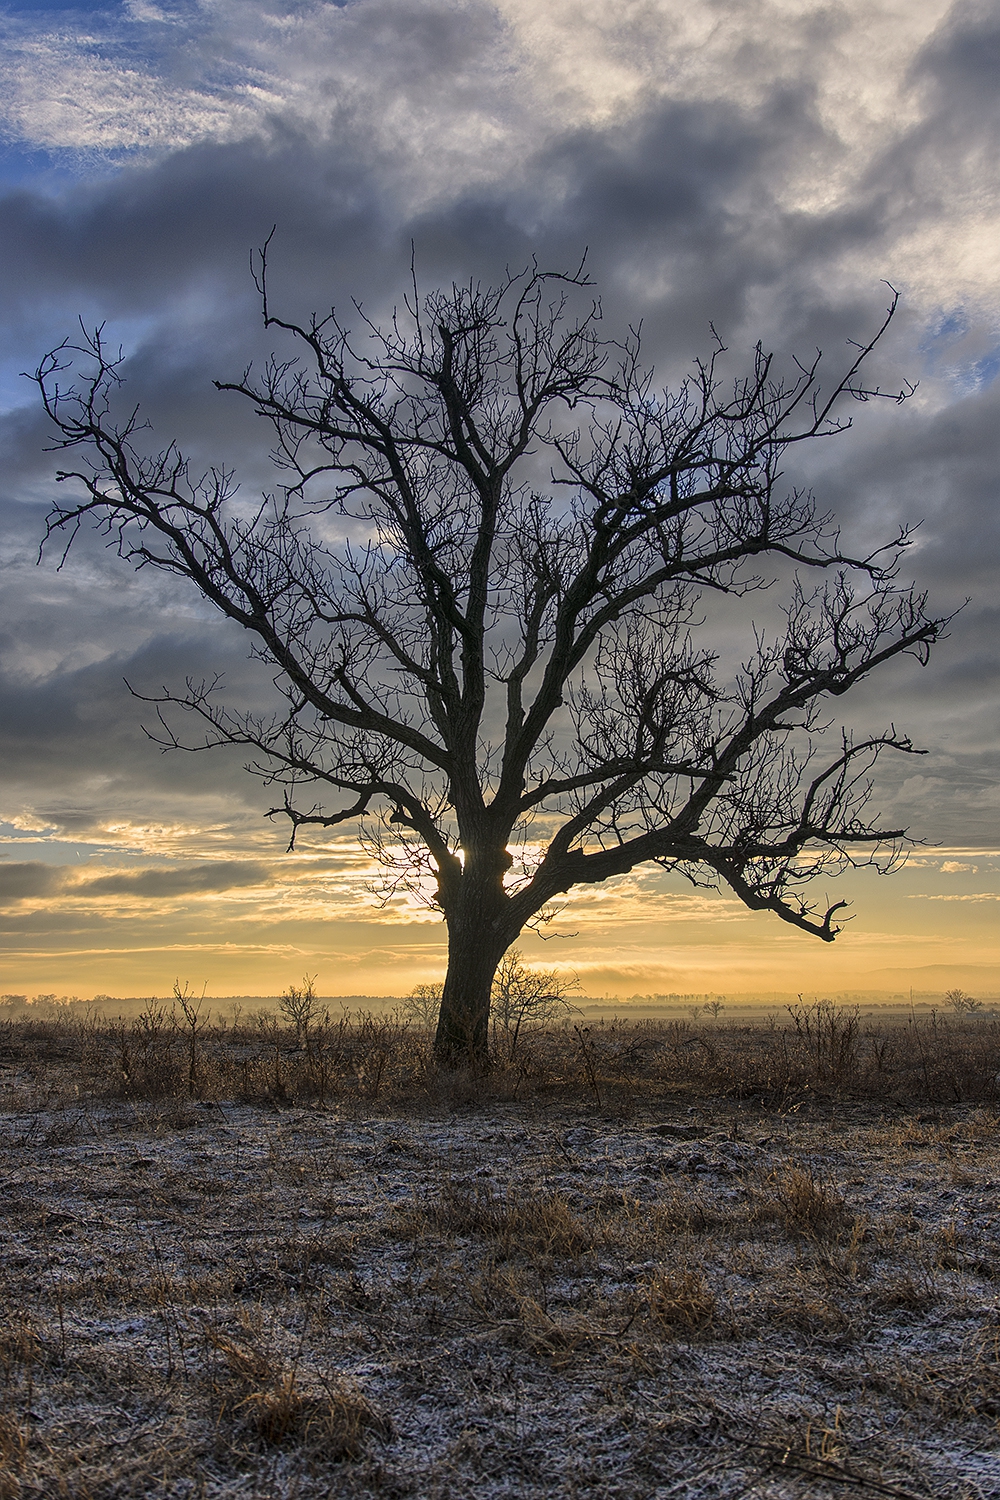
482	586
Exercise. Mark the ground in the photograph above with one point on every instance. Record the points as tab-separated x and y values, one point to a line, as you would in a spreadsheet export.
543	1299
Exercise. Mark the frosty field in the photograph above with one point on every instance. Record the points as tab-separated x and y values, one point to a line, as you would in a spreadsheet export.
663	1292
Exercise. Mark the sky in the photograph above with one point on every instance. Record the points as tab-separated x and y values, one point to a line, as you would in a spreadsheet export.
764	168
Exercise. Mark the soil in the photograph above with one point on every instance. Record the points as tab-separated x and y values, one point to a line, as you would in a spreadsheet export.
700	1302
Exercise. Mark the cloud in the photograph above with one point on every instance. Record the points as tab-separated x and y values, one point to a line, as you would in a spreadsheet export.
34	880
867	112
164	884
20	882
976	896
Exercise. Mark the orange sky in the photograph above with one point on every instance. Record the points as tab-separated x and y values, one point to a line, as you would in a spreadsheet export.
109	925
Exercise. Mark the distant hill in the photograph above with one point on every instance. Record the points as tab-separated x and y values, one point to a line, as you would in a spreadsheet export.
978	979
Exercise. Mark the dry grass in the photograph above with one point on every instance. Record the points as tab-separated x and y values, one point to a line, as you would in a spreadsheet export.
806	1206
681	1302
253	1386
455	1295
819	1052
516	1225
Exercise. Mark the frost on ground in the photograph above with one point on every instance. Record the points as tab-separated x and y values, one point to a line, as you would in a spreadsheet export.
718	1301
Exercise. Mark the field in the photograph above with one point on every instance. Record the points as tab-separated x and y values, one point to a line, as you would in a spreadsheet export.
636	1260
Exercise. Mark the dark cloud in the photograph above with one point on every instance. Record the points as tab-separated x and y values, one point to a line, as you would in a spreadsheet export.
33	880
163	884
960	64
77	731
20	882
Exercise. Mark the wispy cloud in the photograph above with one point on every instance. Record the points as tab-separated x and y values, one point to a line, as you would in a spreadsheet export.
972	896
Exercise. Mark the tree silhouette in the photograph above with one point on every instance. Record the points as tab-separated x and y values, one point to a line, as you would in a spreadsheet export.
482	583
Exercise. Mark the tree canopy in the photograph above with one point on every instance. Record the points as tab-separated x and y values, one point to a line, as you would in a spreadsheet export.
482	582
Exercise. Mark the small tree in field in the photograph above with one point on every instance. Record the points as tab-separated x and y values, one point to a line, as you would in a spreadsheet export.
523	999
482	586
961	1003
300	1007
423	1004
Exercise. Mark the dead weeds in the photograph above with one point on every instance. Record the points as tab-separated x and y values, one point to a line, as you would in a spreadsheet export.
804	1204
517	1225
263	1301
819	1051
681	1301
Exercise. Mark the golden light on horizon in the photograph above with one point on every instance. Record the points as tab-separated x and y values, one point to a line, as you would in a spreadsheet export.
253	927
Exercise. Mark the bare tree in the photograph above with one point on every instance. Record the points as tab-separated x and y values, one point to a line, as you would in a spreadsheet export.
423	1004
481	584
961	1003
524	999
300	1008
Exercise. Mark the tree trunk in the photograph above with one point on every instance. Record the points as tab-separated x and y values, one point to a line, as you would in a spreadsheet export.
478	938
463	1025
